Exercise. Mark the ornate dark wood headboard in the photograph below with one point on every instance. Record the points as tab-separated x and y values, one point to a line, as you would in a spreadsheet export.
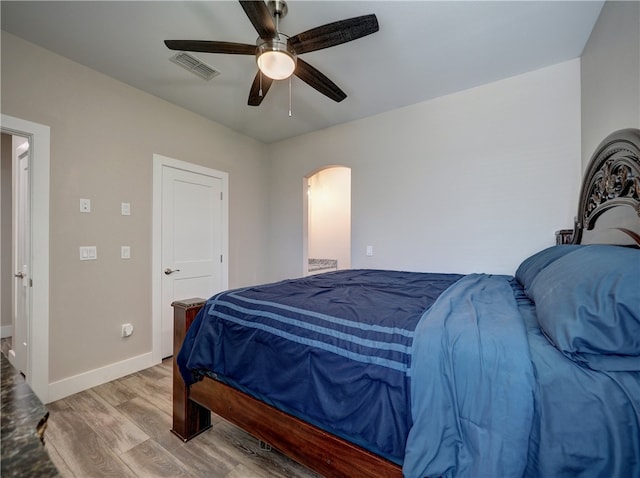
612	179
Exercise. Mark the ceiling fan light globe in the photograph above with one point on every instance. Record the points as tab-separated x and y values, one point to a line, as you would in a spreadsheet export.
275	59
276	65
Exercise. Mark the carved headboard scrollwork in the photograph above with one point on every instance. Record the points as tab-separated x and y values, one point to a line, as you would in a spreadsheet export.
612	179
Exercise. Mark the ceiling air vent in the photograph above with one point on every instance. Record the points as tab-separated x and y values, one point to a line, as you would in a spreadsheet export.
194	65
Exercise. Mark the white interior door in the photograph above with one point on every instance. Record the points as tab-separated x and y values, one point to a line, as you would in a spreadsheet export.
193	241
21	258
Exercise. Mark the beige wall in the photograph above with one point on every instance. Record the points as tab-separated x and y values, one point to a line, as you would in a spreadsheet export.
611	75
470	182
103	136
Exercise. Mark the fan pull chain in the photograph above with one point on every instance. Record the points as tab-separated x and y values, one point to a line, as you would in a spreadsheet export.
260	91
290	97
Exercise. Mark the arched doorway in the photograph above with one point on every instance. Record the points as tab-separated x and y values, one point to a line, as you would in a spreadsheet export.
328	199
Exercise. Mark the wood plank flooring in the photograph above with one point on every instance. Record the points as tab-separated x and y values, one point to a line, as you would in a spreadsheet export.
121	429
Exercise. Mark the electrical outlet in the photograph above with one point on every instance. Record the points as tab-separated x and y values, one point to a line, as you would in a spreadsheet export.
125	252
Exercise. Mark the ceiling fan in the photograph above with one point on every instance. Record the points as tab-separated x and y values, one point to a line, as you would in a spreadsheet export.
277	54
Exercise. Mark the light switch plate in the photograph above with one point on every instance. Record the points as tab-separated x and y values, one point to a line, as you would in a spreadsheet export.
125	209
125	252
88	253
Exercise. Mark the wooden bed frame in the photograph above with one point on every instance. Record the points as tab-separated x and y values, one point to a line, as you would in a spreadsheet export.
612	179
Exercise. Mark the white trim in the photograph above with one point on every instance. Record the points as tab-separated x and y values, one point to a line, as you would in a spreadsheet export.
6	331
159	162
93	378
38	375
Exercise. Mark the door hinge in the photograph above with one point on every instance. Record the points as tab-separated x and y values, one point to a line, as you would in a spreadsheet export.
220	257
220	195
30	282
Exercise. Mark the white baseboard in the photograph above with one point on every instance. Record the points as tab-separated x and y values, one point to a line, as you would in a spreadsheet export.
6	331
93	378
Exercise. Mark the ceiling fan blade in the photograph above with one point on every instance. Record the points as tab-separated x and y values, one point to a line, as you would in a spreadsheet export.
317	80
254	94
334	33
260	17
211	46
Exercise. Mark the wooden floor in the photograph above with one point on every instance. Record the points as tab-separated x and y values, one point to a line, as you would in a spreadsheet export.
121	429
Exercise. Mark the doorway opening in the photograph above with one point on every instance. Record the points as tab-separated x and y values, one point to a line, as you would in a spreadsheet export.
328	222
32	269
15	251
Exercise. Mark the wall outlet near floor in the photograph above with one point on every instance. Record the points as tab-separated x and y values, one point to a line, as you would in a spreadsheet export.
127	330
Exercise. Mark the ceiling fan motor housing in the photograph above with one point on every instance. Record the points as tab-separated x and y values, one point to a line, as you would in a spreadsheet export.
278	8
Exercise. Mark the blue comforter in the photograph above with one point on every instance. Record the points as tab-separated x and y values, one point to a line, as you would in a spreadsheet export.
471	384
302	346
437	372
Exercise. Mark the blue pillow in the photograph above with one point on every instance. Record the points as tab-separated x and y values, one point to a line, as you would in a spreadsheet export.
532	266
588	305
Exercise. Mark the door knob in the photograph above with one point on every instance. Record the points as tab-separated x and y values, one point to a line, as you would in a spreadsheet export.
168	271
19	275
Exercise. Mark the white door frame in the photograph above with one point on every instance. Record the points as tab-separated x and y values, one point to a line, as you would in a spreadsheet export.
159	162
39	144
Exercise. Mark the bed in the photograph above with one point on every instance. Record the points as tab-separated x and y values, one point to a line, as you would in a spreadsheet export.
390	373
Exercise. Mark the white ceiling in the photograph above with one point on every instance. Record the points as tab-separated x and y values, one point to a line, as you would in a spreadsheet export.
424	49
